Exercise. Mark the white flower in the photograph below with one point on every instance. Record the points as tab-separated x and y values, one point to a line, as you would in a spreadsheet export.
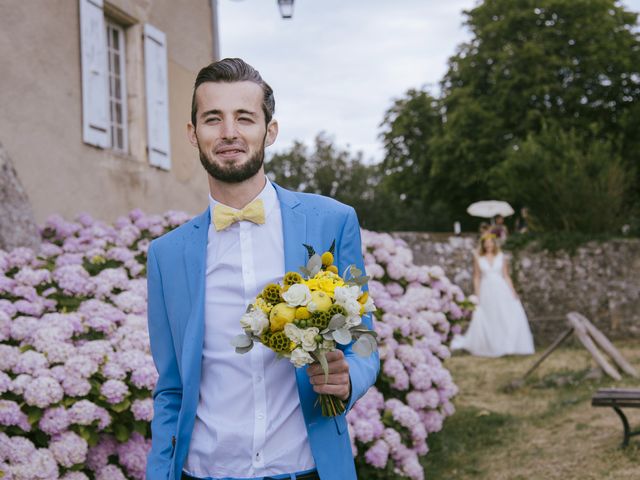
347	297
328	345
309	338
297	295
369	306
300	358
293	333
255	320
312	307
353	321
342	294
352	306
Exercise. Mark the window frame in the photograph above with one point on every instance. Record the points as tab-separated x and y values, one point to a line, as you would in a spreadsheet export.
113	27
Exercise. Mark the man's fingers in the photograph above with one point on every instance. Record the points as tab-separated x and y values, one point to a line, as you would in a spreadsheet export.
337	366
335	355
340	391
332	379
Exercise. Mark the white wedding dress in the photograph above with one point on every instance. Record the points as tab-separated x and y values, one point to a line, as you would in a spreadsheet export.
499	324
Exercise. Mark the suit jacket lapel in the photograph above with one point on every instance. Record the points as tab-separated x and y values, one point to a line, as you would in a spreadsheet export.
195	261
294	225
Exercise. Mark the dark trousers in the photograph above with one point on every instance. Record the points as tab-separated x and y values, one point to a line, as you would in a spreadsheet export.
306	476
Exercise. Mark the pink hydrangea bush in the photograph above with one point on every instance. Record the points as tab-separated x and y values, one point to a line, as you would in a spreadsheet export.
419	310
76	374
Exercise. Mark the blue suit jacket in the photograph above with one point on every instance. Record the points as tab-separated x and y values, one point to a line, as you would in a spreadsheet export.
176	285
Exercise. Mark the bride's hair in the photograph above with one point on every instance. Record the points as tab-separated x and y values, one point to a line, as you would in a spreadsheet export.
488	236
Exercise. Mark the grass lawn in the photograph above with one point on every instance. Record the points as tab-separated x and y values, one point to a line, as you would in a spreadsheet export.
547	429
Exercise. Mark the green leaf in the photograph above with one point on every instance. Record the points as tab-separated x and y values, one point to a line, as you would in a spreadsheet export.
332	248
365	345
310	250
342	336
242	341
122	406
355	271
322	359
34	416
244	349
314	264
121	432
337	321
141	427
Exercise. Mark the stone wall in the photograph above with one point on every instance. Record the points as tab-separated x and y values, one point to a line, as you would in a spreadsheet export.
600	280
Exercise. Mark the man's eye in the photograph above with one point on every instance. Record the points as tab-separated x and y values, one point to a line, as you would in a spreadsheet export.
246	119
212	119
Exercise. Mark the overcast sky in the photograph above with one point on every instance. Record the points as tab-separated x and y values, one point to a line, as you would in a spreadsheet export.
338	64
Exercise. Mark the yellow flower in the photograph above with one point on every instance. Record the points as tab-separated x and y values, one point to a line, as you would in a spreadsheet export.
280	343
321	301
325	281
313	284
281	314
98	260
302	313
363	298
263	305
272	293
327	285
331	275
291	278
332	269
327	259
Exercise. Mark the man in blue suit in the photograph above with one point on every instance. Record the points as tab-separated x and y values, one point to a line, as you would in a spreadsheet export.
217	414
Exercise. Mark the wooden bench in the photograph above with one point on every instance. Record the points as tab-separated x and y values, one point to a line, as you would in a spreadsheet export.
619	398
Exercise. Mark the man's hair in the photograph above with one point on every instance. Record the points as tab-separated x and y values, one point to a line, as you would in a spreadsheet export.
234	70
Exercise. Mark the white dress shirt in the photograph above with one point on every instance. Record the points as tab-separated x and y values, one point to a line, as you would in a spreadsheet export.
248	422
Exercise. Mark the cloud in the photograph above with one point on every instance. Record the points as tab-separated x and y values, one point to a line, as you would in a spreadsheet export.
338	65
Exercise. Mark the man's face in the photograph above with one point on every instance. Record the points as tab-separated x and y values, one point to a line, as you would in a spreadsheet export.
230	131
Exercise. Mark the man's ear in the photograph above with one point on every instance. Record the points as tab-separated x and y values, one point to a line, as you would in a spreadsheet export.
191	135
272	133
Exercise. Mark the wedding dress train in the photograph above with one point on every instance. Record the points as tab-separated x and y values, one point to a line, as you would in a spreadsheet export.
499	324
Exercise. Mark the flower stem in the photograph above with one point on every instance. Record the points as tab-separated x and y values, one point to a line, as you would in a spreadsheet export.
331	406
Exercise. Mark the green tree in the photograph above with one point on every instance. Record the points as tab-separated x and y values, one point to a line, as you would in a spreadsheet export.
408	129
568	181
574	62
328	170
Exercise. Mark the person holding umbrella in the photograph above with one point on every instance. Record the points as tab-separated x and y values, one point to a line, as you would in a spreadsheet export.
499	325
499	229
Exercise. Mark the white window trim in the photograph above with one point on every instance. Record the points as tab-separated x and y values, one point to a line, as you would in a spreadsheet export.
124	107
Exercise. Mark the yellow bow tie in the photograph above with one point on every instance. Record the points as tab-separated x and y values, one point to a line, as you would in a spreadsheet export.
224	217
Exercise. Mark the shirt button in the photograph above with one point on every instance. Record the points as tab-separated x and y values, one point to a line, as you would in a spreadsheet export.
259	416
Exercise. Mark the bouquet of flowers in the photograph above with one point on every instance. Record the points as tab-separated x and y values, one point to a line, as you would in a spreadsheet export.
305	317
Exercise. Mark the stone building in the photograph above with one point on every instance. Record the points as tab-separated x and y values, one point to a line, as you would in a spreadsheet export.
94	100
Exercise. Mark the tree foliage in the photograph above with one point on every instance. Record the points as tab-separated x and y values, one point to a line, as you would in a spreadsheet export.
568	181
408	130
573	63
331	171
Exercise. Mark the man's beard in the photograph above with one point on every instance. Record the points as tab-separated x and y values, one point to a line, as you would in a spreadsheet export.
233	173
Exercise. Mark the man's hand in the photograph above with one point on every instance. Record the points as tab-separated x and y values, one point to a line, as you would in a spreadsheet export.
338	383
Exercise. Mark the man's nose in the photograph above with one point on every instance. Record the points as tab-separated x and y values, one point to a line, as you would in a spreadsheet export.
229	130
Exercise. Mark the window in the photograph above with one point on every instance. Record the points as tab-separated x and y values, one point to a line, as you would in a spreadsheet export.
105	122
117	86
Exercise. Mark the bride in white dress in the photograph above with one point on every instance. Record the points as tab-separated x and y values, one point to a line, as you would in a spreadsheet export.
499	324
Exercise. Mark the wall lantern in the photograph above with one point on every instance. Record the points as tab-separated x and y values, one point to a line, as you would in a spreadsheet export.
286	8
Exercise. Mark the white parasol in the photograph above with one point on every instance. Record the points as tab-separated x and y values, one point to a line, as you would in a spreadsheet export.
489	209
